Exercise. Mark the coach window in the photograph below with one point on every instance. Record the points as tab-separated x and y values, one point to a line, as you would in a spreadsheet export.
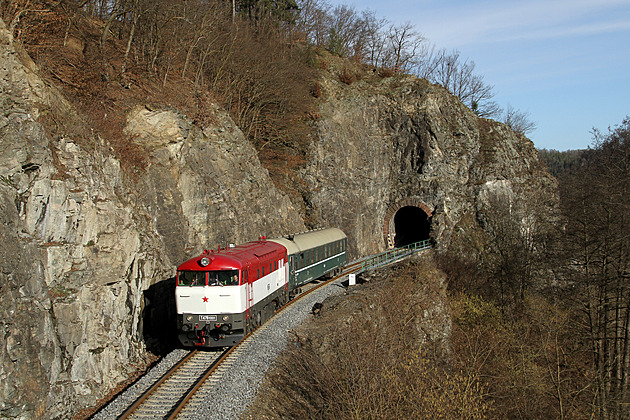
258	273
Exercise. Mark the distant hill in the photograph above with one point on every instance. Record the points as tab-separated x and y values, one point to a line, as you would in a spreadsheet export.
562	163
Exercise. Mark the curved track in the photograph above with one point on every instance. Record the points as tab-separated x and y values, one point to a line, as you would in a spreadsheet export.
177	388
182	389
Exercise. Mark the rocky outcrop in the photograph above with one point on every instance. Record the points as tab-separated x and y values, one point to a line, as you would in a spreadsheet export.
387	143
82	243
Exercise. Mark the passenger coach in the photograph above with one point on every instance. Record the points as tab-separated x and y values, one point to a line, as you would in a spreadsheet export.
222	295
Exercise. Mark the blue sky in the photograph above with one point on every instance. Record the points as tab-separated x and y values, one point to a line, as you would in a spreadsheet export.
565	62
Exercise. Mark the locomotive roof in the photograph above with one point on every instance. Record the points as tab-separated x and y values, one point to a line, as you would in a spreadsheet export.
234	258
308	240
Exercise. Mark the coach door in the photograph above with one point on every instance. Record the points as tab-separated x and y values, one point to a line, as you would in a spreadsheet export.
249	296
291	272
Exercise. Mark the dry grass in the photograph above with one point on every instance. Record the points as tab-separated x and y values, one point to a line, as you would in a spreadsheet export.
368	356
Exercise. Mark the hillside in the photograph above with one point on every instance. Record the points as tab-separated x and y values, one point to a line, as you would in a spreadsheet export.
114	169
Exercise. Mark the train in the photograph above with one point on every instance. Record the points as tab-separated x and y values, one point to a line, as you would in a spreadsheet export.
222	295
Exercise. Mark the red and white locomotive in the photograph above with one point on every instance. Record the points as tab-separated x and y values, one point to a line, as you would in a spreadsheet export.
222	295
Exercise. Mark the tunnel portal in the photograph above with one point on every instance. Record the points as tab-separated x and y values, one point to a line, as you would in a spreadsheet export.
407	222
411	225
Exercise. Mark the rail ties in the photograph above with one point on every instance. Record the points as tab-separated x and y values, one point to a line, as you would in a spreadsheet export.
163	397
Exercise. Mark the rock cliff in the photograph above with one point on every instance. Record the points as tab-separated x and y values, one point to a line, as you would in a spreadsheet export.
88	250
83	245
387	145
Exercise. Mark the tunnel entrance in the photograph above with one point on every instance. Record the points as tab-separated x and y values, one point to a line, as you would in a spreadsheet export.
411	225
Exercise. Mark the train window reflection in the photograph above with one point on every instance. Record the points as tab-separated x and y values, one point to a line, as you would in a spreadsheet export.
191	278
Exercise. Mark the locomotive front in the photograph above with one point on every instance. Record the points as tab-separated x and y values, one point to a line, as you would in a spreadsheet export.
218	292
210	301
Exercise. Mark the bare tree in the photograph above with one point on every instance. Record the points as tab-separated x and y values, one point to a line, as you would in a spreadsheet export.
344	31
597	207
404	43
459	77
375	47
518	120
314	20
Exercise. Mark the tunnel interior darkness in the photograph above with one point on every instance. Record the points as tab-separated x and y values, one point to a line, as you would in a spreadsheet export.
411	225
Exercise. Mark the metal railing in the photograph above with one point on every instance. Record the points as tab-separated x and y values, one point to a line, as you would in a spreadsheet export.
392	255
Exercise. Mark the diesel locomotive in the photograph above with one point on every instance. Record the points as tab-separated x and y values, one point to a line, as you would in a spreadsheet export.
222	295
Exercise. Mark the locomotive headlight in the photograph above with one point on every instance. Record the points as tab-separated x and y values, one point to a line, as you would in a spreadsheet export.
204	261
189	318
225	317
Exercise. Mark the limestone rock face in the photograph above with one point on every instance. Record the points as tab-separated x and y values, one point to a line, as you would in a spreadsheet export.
387	143
83	248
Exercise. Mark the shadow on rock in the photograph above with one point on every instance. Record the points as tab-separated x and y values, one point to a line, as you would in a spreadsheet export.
160	318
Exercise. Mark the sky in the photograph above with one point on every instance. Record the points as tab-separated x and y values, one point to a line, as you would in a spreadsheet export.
564	62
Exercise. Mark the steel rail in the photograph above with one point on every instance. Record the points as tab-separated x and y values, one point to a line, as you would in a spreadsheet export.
155	386
199	383
178	369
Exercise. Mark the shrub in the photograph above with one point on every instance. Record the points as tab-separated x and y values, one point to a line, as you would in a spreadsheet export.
347	76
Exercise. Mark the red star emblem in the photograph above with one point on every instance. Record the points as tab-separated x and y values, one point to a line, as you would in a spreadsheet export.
205	299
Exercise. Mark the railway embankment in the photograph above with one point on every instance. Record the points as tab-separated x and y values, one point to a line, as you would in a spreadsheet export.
367	349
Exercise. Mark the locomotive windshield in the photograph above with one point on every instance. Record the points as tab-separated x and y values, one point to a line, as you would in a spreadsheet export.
223	278
215	278
191	278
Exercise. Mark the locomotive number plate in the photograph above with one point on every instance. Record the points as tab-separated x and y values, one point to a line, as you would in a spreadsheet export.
207	317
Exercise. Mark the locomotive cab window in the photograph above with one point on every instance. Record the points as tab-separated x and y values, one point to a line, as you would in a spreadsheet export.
191	278
223	278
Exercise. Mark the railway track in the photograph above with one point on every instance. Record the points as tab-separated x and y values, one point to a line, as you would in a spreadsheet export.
171	395
184	390
166	394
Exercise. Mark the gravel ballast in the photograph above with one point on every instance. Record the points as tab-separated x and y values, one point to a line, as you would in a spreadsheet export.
235	387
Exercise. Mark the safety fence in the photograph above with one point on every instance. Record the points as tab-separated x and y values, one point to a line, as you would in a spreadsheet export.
392	255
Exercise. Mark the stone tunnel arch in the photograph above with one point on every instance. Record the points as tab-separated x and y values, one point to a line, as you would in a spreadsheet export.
406	223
